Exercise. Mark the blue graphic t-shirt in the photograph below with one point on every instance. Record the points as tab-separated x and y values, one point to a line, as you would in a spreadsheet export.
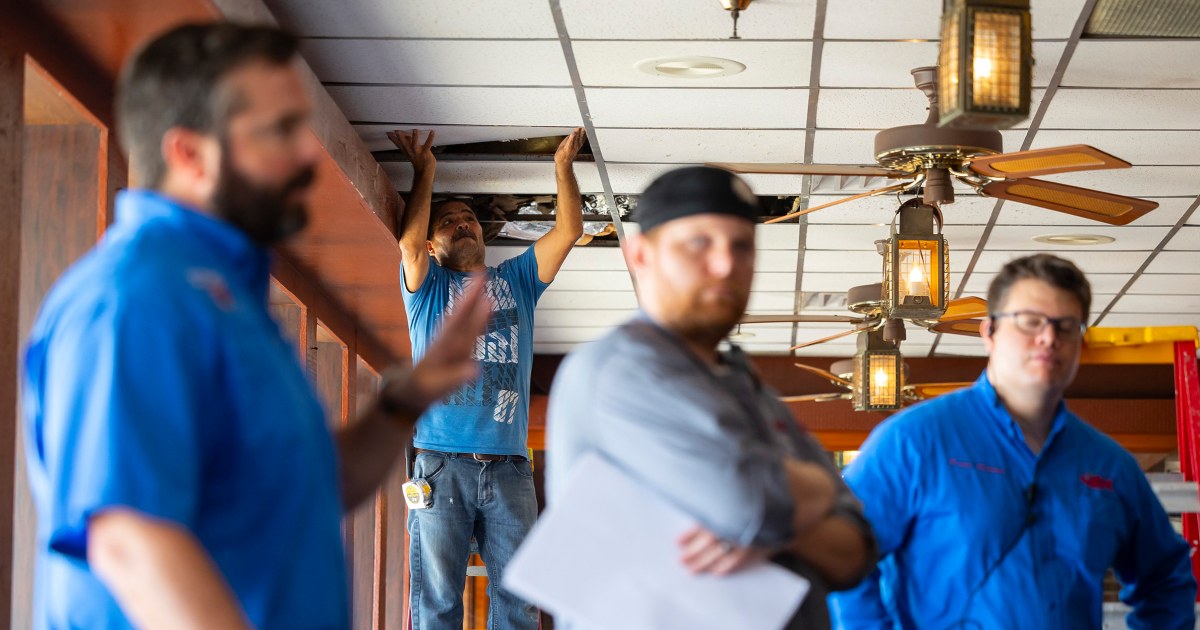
491	413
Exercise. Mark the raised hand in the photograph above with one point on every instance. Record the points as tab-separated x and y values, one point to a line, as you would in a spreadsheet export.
569	147
703	552
419	153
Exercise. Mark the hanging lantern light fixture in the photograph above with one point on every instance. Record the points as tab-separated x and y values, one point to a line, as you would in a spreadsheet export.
916	265
878	373
985	63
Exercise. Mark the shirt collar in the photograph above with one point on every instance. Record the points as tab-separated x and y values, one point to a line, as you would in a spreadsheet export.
1004	420
248	263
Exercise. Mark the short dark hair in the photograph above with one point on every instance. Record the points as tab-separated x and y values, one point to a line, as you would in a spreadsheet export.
1057	272
175	81
437	210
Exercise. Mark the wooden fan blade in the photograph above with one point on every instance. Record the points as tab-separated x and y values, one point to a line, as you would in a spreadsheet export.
824	339
929	390
869	193
1081	202
815	397
785	318
967	327
826	374
970	307
1075	157
809	169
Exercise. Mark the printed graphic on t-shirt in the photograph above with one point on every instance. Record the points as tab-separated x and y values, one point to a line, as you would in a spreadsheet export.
496	352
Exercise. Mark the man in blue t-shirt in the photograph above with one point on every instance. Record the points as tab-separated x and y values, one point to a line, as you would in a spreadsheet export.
996	507
182	469
471	448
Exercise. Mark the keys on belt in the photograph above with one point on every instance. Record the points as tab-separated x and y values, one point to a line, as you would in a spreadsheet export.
479	457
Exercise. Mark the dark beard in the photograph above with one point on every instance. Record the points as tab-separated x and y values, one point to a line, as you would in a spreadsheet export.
264	214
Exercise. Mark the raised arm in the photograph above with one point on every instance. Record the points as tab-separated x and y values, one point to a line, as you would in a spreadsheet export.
552	249
413	229
370	447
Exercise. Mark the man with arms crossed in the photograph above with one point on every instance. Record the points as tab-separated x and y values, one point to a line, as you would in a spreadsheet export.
471	448
181	465
697	426
996	507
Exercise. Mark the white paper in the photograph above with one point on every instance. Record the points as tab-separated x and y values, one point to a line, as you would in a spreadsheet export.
605	556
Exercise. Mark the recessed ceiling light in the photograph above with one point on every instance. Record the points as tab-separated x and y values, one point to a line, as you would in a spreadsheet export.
690	67
1074	239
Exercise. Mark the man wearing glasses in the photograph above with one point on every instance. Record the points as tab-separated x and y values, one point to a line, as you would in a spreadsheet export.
996	507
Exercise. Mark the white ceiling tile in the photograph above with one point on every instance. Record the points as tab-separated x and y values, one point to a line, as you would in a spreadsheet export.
845	237
1175	262
1046	56
837	261
839	282
1177	148
385	18
1102	283
844	146
774	281
701	108
669	19
852	108
1129	237
1055	19
1187	238
874	64
589	318
375	136
1134	64
632	179
1166	283
851	19
520	178
1131	320
595	298
437	62
777	236
960	351
1168	213
771	302
1140	181
1158	304
768	64
425	106
1090	262
595	259
773	260
694	146
1123	109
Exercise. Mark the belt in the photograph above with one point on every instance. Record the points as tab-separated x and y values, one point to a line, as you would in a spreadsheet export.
479	457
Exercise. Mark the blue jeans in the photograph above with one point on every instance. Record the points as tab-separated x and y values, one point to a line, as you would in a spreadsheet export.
492	501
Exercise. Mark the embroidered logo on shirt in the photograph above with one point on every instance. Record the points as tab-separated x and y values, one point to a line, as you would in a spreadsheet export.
1096	482
214	285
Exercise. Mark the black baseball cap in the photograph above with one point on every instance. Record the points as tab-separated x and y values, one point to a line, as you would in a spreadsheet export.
695	190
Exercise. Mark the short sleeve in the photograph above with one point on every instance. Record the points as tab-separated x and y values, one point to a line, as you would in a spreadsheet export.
122	406
522	273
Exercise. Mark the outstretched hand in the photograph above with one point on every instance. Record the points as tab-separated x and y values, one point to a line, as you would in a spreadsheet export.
419	153
701	551
569	147
450	360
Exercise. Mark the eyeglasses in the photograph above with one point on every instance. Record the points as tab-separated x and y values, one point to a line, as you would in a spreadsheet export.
1032	323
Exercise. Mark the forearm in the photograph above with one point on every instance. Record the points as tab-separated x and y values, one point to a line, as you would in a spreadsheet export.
369	448
836	548
414	227
568	216
159	574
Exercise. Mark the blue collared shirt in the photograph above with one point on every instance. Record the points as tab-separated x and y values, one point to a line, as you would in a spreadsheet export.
979	532
155	380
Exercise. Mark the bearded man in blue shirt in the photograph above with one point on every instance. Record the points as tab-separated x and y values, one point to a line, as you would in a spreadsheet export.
996	507
179	459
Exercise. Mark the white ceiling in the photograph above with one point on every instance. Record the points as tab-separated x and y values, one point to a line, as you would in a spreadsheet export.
477	70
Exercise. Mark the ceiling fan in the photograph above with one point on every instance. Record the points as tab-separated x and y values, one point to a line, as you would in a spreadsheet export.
841	373
927	156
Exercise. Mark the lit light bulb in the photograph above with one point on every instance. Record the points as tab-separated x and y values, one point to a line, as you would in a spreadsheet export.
881	378
983	68
916	281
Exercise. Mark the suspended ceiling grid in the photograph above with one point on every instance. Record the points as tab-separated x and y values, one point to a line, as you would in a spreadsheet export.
822	77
